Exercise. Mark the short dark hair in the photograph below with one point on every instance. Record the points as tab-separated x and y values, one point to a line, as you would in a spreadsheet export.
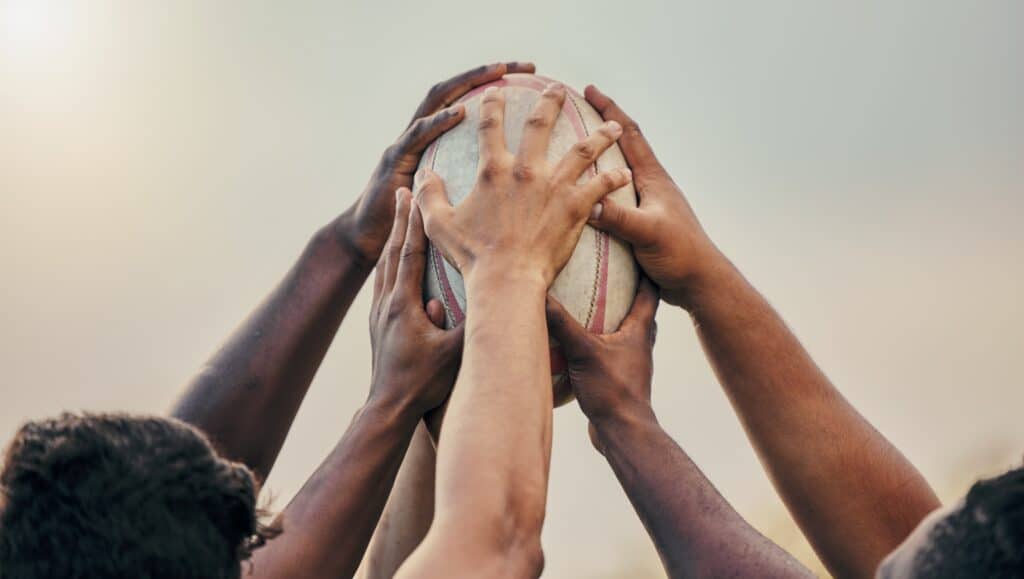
985	538
118	496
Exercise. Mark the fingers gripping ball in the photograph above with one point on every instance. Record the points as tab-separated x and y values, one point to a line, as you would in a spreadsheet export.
599	282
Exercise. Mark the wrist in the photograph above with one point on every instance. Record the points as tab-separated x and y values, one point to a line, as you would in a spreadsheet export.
714	272
488	279
329	260
343	233
624	419
392	410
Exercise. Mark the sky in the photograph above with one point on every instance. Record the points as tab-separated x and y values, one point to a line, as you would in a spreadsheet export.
163	163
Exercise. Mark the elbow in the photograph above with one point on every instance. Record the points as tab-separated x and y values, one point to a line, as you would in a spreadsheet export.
534	561
525	558
518	542
514	540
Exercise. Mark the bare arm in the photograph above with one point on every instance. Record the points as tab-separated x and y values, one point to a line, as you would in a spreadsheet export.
247	395
509	238
697	533
329	523
408	512
851	491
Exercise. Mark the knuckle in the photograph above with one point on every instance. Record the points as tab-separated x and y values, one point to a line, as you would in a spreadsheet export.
489	123
584	150
490	171
631	128
523	173
437	89
394	249
608	181
410	252
537	121
392	153
578	210
415	131
395	309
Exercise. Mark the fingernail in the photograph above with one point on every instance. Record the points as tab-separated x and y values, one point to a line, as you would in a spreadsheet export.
595	211
627	173
490	90
614	128
420	175
555	86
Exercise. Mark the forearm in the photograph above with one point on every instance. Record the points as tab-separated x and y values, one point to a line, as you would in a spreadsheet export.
853	493
408	512
697	533
246	396
328	524
491	480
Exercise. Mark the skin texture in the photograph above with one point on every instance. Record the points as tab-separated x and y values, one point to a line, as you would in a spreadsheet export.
853	494
408	513
509	238
903	563
245	398
329	523
697	533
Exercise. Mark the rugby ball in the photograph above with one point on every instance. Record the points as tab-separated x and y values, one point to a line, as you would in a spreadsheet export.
598	284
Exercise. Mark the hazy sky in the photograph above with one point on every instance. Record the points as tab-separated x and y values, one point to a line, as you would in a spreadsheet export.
162	164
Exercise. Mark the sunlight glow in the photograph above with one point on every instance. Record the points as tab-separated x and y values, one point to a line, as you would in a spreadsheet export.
35	29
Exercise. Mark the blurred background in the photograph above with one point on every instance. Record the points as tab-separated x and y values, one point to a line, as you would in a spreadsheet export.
162	164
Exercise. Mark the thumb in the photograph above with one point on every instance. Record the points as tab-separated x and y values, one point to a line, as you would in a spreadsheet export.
436	313
437	213
432	200
572	336
630	223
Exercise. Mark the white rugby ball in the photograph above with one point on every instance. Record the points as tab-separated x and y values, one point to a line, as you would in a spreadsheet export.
598	284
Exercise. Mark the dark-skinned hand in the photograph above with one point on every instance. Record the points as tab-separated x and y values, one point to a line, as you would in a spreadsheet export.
415	360
368	223
610	373
667	239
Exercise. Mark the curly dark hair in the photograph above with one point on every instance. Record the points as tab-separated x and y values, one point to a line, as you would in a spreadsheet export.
985	537
118	496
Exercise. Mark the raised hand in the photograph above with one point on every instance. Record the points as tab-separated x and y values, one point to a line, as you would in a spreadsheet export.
524	216
414	359
697	533
368	222
509	238
666	236
801	426
610	373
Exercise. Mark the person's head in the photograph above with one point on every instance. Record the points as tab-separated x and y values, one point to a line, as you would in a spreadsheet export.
111	495
982	535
